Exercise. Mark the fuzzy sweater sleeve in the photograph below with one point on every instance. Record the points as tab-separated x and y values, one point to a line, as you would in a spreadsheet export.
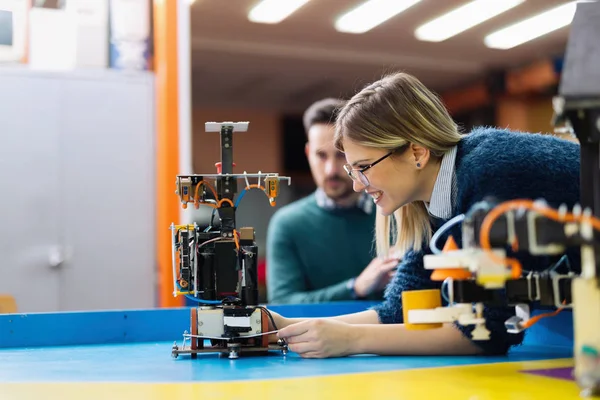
410	275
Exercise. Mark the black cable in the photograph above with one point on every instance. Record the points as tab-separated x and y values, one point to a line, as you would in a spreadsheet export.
270	317
212	217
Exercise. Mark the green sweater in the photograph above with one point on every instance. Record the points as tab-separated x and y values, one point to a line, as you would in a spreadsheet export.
313	252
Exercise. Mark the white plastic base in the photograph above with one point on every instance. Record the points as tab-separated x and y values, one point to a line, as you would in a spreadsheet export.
461	313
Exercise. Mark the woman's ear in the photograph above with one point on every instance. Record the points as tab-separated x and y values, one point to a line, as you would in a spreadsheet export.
420	155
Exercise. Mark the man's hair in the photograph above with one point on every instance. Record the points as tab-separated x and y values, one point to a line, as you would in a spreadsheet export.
324	111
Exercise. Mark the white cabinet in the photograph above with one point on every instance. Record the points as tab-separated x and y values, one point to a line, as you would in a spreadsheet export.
30	197
78	201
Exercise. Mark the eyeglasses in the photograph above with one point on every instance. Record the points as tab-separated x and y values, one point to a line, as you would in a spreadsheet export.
358	174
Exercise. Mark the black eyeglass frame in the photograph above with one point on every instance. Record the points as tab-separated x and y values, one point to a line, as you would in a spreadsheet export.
362	177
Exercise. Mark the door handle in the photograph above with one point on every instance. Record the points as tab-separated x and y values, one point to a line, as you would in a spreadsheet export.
57	257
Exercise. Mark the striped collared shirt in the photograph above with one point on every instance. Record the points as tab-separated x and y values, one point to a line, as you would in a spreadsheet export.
444	191
364	202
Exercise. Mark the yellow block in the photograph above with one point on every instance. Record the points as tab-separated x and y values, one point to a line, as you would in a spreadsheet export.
420	300
8	304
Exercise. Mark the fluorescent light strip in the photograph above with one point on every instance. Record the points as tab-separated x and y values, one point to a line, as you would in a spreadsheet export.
274	11
532	28
463	18
370	14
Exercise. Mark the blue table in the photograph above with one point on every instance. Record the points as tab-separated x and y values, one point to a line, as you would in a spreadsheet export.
124	353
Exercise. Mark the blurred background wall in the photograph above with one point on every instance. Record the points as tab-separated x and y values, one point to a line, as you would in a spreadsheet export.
93	110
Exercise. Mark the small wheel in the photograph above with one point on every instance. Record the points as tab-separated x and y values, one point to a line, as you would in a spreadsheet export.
234	350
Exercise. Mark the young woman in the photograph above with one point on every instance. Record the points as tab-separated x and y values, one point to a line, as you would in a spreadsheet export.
403	148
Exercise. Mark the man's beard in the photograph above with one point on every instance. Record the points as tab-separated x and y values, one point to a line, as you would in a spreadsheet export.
343	191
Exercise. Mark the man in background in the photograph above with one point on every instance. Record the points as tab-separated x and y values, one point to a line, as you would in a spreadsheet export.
320	248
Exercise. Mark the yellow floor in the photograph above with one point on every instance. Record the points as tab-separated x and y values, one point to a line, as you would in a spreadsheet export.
478	382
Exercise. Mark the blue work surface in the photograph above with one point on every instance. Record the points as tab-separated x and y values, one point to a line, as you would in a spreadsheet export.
126	354
135	346
152	362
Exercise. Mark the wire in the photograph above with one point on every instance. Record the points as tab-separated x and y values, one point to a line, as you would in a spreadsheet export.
432	245
212	217
225	200
237	202
186	294
236	239
202	301
209	186
444	291
188	335
270	316
551	269
537	318
210	241
248	187
502	208
197	201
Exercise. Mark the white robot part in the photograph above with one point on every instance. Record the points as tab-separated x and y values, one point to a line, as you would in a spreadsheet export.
216	126
464	314
488	272
212	322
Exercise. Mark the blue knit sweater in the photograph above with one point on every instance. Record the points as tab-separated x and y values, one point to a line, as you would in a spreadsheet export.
506	165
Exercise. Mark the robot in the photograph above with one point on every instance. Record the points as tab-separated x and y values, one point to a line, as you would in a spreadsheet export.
217	268
480	273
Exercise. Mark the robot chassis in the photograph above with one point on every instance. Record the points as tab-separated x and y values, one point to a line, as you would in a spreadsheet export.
217	268
481	273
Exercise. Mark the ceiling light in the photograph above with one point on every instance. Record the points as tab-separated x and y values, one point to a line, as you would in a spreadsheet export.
274	11
370	14
463	18
532	28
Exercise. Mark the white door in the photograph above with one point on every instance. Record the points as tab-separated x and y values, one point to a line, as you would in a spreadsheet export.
108	205
30	254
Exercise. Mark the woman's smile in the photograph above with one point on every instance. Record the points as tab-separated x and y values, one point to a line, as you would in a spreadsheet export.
376	195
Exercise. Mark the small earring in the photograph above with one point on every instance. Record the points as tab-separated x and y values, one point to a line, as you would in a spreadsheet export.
418	165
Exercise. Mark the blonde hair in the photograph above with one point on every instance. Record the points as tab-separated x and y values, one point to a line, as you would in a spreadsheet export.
390	114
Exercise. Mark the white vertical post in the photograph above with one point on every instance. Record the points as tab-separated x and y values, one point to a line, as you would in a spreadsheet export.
184	91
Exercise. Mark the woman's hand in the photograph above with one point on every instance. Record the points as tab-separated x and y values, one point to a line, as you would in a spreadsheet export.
320	338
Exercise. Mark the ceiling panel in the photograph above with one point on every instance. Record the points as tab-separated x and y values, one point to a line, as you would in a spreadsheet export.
286	66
